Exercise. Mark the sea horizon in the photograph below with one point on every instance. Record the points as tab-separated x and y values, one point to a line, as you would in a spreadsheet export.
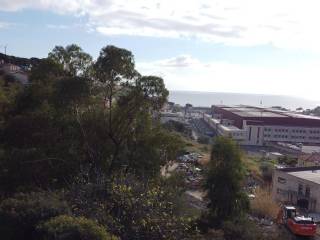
207	99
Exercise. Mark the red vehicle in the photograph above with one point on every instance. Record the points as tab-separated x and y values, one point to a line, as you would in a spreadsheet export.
298	225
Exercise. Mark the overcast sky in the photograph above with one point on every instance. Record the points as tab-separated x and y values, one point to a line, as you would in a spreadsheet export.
246	46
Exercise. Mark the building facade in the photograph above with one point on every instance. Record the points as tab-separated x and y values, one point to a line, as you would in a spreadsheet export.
259	126
309	160
298	186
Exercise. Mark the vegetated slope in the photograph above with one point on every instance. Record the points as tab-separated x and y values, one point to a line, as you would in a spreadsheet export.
18	60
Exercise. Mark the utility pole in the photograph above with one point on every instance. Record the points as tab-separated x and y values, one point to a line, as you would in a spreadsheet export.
5	48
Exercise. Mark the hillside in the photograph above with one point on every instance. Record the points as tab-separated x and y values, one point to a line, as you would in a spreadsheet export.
18	60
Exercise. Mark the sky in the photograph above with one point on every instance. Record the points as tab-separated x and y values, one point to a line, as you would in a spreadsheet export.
243	46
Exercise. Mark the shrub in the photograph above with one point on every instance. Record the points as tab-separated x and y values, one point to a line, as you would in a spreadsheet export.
288	161
241	230
266	170
204	140
263	205
20	214
133	209
73	228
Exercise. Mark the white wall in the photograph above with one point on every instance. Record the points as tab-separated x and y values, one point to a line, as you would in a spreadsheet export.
292	134
283	188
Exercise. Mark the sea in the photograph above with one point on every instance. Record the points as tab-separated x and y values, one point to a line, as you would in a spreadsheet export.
207	99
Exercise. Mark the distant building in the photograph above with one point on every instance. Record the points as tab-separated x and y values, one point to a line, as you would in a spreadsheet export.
299	186
10	68
260	126
169	116
18	73
308	160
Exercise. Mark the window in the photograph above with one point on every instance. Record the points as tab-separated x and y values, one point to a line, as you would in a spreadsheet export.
307	191
281	180
300	188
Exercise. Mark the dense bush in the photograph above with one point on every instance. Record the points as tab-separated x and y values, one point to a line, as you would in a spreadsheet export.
289	161
241	230
20	214
204	140
135	209
266	169
73	228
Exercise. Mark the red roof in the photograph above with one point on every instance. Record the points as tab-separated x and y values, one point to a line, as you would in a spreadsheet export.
312	157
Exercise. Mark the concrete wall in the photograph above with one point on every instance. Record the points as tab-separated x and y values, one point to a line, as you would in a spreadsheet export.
285	189
254	135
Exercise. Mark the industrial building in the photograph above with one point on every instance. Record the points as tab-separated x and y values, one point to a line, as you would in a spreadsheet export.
299	186
309	160
259	126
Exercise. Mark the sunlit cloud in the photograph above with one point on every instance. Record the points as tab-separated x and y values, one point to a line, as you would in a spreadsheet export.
283	24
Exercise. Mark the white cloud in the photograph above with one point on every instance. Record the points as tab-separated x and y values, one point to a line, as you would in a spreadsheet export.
302	81
5	25
285	23
59	27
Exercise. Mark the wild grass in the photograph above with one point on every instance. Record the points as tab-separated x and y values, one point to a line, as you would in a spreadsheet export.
263	205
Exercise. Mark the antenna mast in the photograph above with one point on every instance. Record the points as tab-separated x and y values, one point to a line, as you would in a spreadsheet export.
5	48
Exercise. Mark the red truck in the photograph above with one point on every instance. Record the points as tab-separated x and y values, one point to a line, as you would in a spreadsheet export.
298	225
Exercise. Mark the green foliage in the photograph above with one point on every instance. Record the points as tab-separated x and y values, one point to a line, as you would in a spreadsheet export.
134	209
175	126
8	93
20	214
39	151
78	127
46	72
71	91
73	59
224	182
241	230
73	228
289	161
266	169
153	90
204	140
113	64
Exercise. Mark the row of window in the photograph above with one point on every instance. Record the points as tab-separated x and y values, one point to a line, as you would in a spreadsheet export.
283	136
314	131
281	130
292	137
293	130
237	134
314	138
298	131
298	137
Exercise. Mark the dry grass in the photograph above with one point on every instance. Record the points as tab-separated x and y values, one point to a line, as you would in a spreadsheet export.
263	205
252	165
